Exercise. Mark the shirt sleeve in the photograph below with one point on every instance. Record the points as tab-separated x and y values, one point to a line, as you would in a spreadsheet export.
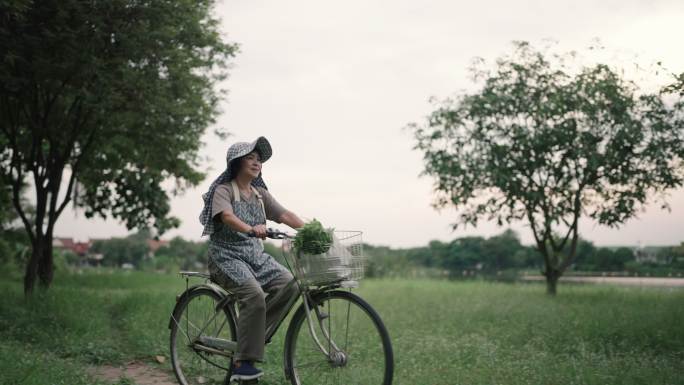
273	209
222	199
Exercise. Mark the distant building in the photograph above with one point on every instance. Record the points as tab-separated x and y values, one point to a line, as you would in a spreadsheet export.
78	248
653	254
81	249
90	258
153	245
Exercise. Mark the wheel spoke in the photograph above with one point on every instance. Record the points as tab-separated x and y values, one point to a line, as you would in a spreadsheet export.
346	333
189	324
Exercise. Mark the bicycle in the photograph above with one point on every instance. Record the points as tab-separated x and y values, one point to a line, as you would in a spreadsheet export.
327	350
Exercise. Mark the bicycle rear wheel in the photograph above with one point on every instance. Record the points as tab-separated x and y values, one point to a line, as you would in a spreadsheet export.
197	319
358	350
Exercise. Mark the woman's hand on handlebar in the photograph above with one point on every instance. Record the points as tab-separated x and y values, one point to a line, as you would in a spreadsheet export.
259	231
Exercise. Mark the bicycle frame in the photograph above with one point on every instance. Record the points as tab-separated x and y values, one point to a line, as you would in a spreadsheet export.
226	348
304	294
320	287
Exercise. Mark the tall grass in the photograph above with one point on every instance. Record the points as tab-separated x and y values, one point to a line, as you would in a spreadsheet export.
443	332
493	333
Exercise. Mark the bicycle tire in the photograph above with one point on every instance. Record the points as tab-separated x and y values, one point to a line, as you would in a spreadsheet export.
299	319
213	368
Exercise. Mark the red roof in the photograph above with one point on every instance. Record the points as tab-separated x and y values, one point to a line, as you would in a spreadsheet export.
154	244
78	248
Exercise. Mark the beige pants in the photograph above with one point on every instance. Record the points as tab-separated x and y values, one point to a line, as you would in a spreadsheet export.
257	311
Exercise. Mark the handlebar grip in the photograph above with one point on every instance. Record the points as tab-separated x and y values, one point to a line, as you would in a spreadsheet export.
270	233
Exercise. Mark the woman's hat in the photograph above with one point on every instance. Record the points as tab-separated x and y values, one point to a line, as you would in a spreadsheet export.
240	149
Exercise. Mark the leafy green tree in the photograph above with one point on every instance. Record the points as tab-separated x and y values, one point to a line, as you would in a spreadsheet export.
665	255
526	257
677	87
547	144
584	255
421	256
187	254
499	251
431	255
621	256
384	261
678	256
13	240
101	102
464	253
117	251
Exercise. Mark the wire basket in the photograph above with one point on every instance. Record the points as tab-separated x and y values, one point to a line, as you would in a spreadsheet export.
344	260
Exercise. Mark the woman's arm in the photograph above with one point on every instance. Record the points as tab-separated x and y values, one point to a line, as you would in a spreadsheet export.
291	219
236	224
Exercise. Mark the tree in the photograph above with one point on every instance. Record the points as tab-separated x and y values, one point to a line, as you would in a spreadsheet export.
547	144
499	251
463	253
677	87
101	102
585	255
187	254
13	240
621	256
117	251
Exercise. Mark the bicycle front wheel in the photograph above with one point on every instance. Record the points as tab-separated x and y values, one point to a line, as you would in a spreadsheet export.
353	344
198	327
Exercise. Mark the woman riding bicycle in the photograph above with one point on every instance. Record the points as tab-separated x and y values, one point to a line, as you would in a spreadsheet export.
237	203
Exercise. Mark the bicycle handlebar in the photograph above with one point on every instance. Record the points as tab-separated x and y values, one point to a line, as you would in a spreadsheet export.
272	234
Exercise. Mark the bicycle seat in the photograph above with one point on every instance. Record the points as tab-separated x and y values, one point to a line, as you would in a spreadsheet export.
194	274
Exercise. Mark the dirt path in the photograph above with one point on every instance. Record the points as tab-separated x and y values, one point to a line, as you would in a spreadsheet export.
139	372
636	281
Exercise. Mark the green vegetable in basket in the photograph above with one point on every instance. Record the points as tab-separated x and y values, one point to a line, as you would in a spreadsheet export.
312	238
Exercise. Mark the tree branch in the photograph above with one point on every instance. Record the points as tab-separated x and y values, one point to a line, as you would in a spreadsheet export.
541	243
74	170
16	195
573	247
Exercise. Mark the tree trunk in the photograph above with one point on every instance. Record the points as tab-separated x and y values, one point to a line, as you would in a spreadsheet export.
551	281
40	265
46	267
32	267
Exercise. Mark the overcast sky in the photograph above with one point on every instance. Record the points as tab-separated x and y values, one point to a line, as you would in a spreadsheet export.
332	84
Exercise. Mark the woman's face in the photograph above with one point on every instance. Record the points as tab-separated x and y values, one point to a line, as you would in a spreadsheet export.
251	164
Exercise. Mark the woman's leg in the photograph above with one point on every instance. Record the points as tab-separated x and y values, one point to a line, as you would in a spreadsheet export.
276	302
251	323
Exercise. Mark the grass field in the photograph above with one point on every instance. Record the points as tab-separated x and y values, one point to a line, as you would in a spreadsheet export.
443	332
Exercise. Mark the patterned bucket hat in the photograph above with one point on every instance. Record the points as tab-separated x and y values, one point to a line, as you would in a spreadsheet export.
235	151
240	149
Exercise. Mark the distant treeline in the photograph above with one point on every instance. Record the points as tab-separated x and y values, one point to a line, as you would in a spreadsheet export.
504	252
471	255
